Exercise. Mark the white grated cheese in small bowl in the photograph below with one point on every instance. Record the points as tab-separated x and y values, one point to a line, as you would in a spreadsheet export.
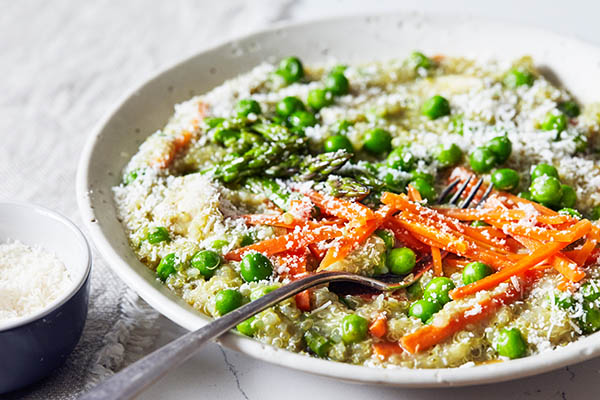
31	278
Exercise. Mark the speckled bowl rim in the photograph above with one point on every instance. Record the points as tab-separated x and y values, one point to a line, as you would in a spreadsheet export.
75	286
184	315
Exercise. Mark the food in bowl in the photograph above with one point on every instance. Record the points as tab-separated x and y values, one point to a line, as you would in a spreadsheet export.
31	279
291	170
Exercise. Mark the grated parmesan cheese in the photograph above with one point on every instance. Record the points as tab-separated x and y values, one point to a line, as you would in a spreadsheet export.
30	279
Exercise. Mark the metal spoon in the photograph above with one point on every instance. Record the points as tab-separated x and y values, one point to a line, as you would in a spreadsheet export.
138	376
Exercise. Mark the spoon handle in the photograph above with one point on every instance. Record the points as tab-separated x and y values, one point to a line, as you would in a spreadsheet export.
132	380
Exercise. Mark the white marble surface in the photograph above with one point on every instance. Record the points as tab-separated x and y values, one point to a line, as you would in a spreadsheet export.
64	63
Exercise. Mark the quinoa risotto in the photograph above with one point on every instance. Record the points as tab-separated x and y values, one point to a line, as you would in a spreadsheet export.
292	169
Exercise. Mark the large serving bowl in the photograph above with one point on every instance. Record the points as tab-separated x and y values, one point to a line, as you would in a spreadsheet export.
117	137
31	347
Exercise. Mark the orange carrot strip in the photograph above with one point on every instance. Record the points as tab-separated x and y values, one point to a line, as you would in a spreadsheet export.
303	300
413	194
340	208
295	260
485	214
540	234
430	335
537	256
384	350
378	328
178	143
401	202
562	264
437	261
456	262
581	255
357	235
402	235
290	241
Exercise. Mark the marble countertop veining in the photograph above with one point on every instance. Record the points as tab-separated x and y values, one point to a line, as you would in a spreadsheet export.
65	63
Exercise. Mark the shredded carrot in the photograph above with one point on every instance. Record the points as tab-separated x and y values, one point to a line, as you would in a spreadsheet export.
178	143
357	235
430	335
290	241
303	300
378	328
537	256
437	262
413	194
580	256
384	350
295	261
402	235
494	214
456	262
348	210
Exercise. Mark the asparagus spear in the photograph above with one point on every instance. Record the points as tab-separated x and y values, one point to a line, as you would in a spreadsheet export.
340	186
272	190
319	167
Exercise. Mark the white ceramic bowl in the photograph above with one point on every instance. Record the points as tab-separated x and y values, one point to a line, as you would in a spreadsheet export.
359	38
36	344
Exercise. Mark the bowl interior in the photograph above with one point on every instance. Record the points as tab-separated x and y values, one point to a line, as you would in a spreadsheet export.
348	39
37	226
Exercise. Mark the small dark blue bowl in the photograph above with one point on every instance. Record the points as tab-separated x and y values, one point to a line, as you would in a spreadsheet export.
33	346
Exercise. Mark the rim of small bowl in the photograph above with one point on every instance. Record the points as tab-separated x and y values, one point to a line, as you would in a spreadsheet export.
45	212
394	376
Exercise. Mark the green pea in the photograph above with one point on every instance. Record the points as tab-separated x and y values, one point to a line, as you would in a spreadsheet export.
525	195
401	261
228	300
425	189
255	267
354	328
261	291
420	60
341	127
554	122
482	160
414	174
377	141
317	343
595	213
289	105
505	179
475	271
337	83
415	290
438	290
223	135
388	237
400	158
319	98
206	261
543	169
479	224
546	190
510	343
247	327
590	290
569	108
130	176
590	320
501	146
568	198
436	107
448	156
518	77
245	107
166	266
424	309
290	69
570	212
302	119
158	234
338	142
